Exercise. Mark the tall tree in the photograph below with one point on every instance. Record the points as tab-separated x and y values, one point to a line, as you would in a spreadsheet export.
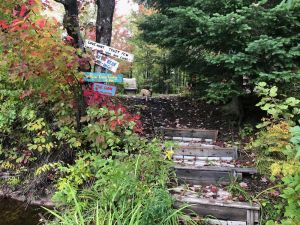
71	21
104	21
229	46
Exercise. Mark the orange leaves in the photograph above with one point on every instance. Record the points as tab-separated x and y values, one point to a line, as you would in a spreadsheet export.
36	54
3	24
41	22
16	25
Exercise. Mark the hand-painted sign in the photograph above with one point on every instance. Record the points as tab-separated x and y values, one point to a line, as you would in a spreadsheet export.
104	49
107	62
102	77
105	89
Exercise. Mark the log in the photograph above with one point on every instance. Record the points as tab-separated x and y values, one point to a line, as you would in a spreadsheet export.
44	202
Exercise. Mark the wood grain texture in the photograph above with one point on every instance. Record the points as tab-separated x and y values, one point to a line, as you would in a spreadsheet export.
233	211
191	133
205	177
207	152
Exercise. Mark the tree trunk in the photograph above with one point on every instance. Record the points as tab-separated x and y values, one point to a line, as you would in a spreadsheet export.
104	21
71	24
71	21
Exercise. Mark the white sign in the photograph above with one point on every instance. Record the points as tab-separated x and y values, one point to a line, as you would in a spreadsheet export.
104	49
130	84
107	62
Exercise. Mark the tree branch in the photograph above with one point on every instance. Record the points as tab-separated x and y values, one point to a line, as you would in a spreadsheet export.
61	1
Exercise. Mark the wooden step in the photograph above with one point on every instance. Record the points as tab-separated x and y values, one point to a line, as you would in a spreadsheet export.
213	151
181	134
207	175
220	209
224	222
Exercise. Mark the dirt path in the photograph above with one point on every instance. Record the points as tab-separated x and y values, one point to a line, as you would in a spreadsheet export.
181	112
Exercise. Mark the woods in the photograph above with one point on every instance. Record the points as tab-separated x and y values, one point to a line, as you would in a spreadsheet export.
227	48
212	137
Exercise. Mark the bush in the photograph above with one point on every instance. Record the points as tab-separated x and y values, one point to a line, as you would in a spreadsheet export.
278	147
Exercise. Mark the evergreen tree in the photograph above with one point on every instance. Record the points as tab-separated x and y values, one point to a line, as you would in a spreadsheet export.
229	46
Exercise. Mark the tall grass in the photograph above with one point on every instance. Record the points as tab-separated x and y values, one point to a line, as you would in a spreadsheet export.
112	213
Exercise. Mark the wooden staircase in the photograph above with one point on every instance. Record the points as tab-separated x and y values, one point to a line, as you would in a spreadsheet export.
200	164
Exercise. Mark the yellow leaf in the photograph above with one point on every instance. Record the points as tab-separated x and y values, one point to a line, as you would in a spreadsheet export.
169	154
40	148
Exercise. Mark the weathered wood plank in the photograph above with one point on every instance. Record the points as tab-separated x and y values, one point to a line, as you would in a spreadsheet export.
234	211
202	158
225	222
249	170
205	177
207	152
191	133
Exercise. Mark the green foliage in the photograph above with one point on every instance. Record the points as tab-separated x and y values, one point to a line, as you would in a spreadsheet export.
154	69
109	133
247	131
236	43
121	191
278	145
220	93
104	172
277	106
236	190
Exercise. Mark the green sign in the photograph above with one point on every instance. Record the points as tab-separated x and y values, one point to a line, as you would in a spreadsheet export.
103	77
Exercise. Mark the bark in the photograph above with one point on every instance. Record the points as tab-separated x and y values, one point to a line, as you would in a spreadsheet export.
71	21
71	24
104	22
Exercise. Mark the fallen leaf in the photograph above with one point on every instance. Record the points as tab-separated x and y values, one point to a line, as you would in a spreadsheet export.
41	23
213	189
264	179
244	185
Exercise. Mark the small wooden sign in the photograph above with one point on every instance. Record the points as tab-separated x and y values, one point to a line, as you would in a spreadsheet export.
105	89
109	51
130	83
106	62
102	77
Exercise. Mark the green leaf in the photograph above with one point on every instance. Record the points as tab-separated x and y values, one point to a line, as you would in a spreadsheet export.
273	91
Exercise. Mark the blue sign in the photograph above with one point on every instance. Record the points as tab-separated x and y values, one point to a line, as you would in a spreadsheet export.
105	89
103	77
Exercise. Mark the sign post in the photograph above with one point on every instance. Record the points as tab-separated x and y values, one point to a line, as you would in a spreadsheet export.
102	59
109	51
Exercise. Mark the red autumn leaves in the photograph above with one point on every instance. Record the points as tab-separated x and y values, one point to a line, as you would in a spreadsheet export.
22	21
